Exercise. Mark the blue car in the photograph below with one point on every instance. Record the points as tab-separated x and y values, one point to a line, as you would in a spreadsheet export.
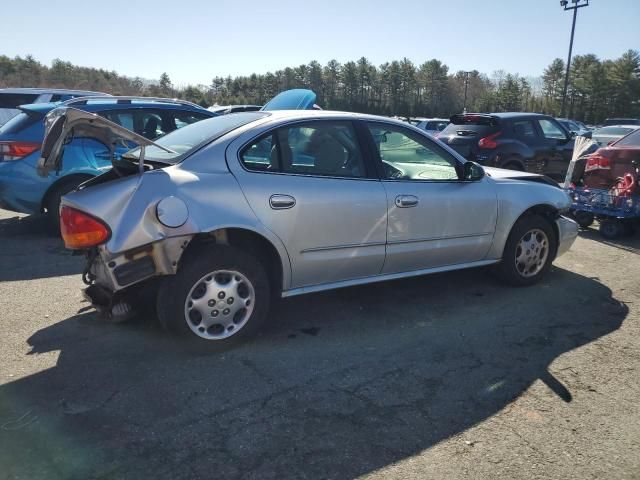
23	190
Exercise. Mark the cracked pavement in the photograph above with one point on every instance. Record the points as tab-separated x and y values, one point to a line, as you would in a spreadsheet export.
445	376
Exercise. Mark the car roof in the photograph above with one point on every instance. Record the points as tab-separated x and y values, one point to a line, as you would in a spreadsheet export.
279	115
507	115
41	91
99	107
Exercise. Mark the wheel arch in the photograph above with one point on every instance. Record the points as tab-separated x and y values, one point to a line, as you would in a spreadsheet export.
273	259
546	211
67	179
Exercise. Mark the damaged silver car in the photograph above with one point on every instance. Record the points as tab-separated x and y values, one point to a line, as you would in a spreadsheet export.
217	219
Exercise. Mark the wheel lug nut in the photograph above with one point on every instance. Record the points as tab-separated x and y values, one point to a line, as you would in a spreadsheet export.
214	313
212	303
221	295
226	311
230	300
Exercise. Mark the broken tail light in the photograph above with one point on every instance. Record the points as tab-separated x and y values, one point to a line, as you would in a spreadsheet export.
80	230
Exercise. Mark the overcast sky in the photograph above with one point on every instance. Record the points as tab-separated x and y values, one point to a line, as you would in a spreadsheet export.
195	40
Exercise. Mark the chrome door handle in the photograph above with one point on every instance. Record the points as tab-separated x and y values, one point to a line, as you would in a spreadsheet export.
281	202
404	201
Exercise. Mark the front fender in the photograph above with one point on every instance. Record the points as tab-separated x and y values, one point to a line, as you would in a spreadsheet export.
517	197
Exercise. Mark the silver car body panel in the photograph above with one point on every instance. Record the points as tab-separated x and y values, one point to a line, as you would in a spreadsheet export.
338	232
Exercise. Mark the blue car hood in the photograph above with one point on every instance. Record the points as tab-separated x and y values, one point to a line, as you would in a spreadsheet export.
296	99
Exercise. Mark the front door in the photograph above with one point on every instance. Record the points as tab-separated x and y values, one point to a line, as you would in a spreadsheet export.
434	219
309	184
554	137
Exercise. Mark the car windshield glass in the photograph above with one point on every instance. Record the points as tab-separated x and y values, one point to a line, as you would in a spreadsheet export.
191	137
632	140
17	123
613	131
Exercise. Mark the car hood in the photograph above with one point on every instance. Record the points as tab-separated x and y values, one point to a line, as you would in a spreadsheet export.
504	174
63	124
296	99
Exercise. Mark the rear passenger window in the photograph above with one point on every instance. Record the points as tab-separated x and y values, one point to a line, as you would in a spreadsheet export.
182	119
318	148
261	155
524	129
152	126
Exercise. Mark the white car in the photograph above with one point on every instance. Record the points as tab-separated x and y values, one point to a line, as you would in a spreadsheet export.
432	126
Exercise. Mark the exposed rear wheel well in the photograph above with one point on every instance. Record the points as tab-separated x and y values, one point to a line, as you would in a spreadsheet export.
248	241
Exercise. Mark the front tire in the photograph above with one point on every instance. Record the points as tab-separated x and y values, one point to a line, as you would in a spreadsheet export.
219	296
528	252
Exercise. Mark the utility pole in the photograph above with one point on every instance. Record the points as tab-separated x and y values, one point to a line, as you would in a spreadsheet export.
576	4
466	84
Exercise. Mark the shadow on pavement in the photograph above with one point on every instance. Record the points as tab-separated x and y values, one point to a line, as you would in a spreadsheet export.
23	240
342	383
628	243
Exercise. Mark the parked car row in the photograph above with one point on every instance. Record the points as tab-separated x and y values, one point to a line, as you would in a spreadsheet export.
23	190
12	98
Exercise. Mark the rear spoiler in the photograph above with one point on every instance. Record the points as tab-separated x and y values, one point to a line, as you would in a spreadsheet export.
474	119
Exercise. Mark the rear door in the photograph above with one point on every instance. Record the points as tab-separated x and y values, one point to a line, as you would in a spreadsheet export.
311	185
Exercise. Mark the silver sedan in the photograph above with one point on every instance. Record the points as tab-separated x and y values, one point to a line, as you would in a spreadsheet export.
217	219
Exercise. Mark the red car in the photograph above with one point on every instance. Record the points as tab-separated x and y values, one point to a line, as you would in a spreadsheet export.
616	161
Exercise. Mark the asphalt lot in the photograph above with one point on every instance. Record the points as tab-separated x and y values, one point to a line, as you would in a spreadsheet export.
448	376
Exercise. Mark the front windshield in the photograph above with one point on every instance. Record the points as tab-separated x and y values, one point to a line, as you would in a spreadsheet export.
182	141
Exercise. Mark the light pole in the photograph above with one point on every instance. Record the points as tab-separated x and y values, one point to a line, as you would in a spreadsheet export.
575	5
466	84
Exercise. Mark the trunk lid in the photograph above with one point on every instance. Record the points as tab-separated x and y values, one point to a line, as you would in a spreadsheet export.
66	123
295	99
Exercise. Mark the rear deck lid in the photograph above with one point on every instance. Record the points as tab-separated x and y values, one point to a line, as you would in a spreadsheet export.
64	124
296	99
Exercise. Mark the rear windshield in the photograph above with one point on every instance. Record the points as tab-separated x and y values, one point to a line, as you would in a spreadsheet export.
474	120
614	131
184	140
18	123
12	100
436	125
631	140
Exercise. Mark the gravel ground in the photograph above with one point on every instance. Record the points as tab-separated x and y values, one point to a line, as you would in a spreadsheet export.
447	376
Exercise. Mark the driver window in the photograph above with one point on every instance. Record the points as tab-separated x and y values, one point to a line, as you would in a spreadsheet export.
405	156
551	130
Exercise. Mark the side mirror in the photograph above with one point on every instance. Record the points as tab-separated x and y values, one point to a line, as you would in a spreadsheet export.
472	172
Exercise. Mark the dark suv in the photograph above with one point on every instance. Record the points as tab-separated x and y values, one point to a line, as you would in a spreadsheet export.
518	141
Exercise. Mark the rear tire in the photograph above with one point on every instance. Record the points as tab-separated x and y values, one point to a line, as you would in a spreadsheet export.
611	228
584	219
219	296
52	204
511	164
528	252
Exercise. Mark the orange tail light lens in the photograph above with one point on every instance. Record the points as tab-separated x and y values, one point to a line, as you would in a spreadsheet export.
80	230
